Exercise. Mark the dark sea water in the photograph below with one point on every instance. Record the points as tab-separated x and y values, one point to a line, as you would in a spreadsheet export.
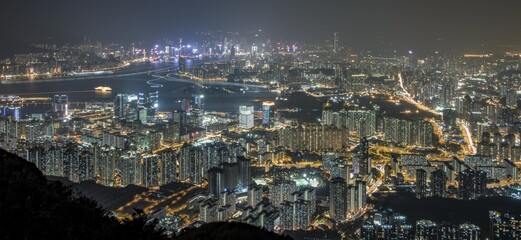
136	79
140	78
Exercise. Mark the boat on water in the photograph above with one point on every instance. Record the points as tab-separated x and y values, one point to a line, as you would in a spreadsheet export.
103	89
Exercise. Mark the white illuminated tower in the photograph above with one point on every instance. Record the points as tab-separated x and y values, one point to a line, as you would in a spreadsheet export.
335	42
246	117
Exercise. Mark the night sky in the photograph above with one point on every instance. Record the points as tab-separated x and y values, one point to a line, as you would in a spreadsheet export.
437	24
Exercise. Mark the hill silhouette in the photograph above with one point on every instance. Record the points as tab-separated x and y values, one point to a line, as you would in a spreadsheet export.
229	230
33	208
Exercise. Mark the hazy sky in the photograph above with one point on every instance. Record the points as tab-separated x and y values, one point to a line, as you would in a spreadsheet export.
414	24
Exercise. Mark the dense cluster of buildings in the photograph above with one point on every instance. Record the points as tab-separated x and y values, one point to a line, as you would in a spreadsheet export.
456	132
53	61
390	225
313	137
362	121
409	133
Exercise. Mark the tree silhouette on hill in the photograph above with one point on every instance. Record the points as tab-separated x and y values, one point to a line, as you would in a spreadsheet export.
33	208
229	230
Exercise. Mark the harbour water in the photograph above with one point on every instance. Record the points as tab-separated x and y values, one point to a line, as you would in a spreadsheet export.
137	79
160	76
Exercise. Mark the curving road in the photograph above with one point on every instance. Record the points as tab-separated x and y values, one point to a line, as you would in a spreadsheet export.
407	97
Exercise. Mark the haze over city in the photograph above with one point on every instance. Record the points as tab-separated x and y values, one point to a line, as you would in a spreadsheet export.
421	25
129	119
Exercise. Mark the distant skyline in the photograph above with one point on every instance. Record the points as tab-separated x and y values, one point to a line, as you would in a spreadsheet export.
424	25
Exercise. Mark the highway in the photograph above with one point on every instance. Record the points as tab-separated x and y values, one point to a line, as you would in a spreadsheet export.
472	150
407	97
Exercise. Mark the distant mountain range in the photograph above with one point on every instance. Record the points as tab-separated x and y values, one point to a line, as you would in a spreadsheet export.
10	45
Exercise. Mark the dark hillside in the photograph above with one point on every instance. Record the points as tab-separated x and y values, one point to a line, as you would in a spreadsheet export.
229	230
33	208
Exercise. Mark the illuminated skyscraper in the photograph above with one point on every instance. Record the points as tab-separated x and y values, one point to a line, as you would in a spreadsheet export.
286	215
335	42
244	172
362	121
340	168
254	49
308	194
199	102
107	165
421	183
232	53
295	215
356	196
208	210
302	214
16	113
182	64
128	169
168	166
171	132
191	165
464	107
246	117
438	183
180	117
337	199
195	160
142	115
363	157
153	102
327	114
120	104
266	111
230	175
280	191
85	166
254	195
215	181
139	100
472	184
150	175
60	105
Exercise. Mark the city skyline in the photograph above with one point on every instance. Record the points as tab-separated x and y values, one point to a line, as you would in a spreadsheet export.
368	25
286	120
